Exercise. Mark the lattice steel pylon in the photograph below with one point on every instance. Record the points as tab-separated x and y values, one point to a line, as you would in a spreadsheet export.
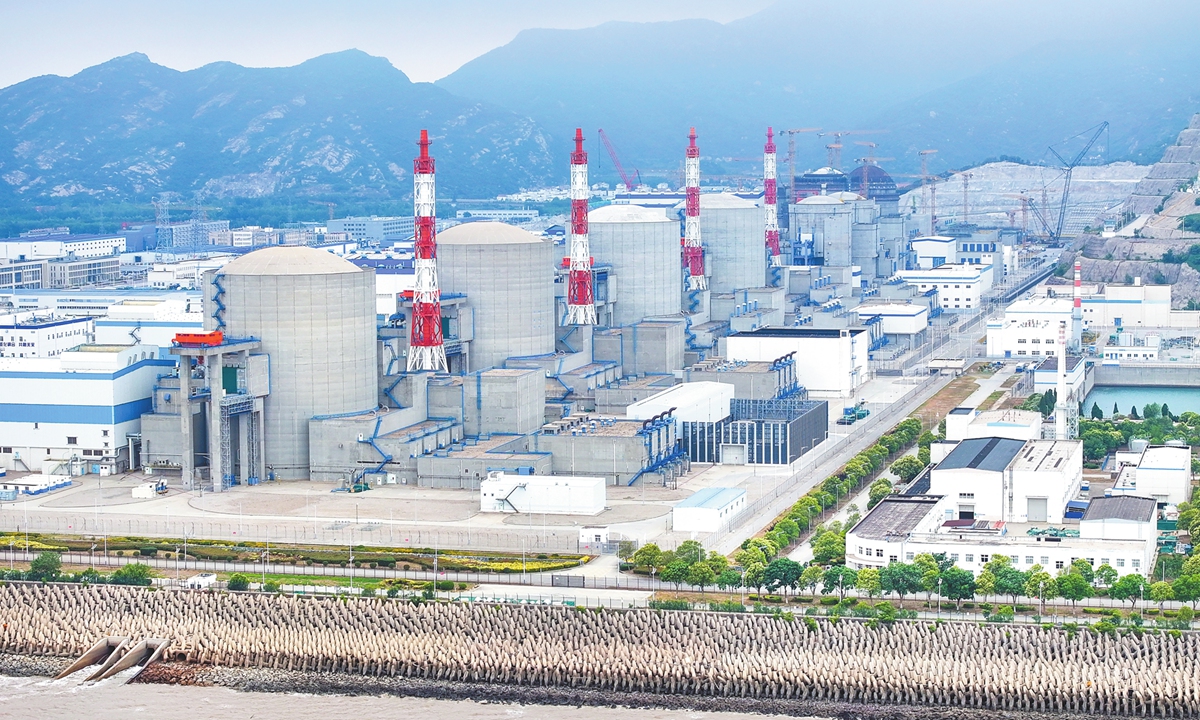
581	305
425	351
770	209
693	251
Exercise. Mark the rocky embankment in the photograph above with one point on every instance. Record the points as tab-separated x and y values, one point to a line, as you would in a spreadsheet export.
558	655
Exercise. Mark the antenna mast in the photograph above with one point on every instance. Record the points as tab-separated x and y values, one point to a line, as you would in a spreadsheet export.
581	308
769	200
425	351
693	252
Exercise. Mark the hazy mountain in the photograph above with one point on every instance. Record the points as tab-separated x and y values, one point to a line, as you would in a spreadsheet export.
974	80
344	124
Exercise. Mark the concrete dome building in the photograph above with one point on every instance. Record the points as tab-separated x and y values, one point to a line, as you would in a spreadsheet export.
642	246
507	275
314	314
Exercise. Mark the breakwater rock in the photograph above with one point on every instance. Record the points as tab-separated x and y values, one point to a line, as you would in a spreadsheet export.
641	652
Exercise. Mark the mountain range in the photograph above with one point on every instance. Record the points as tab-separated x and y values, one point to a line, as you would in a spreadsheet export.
344	124
972	80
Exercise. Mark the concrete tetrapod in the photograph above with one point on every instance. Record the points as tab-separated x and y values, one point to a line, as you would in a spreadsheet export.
1007	668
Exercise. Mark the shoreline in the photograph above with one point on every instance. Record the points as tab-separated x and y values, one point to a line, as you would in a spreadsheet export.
276	681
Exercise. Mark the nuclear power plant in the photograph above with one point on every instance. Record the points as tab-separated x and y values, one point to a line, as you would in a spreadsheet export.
523	353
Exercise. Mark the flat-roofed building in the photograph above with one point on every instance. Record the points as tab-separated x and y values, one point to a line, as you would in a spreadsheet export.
708	510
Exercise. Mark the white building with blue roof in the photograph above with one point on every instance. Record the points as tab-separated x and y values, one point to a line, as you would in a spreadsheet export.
708	510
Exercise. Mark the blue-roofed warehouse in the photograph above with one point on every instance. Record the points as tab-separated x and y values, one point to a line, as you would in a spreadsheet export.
708	510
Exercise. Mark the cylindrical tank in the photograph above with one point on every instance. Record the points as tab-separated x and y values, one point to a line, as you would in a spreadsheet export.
315	316
642	246
507	275
735	248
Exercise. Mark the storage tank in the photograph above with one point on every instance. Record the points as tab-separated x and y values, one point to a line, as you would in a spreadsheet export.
507	275
735	250
315	316
642	246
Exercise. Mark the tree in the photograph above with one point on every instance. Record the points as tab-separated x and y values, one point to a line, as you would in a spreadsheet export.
1116	410
1161	592
1073	587
718	562
238	582
754	575
729	580
811	577
829	549
1166	412
1187	589
986	583
1133	413
838	578
676	573
1105	575
701	575
782	573
1083	568
1097	413
45	567
906	468
957	585
1040	585
690	552
930	571
1130	587
1011	582
879	489
868	582
132	574
648	555
1151	411
924	455
750	556
1047	403
1191	566
901	579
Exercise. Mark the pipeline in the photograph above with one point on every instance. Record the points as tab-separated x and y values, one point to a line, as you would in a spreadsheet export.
954	667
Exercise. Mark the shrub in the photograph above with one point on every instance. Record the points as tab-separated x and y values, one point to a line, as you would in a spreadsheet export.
731	606
132	574
120	553
238	582
374	565
829	601
670	605
445	585
148	551
270	586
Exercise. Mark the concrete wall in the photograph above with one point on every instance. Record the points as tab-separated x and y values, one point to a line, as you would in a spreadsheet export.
1143	374
647	347
505	401
615	458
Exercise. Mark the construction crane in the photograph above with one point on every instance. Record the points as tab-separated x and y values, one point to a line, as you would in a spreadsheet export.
835	148
867	161
330	206
929	191
612	153
791	156
1069	167
966	178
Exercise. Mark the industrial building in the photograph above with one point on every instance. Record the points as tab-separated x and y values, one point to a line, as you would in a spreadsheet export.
63	245
551	495
77	411
960	286
964	423
1118	532
31	334
374	230
708	510
1160	472
22	274
843	354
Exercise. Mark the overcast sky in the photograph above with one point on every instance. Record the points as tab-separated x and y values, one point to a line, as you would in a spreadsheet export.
427	40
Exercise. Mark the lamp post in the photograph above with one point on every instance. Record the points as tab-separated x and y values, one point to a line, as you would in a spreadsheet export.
939	600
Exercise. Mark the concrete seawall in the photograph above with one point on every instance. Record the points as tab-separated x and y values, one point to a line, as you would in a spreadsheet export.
703	655
1147	375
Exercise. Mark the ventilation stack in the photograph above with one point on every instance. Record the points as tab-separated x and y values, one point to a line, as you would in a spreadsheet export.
425	351
769	199
1060	406
1077	310
693	252
581	307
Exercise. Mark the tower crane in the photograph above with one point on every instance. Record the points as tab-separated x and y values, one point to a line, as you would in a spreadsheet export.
930	190
328	205
612	153
791	155
835	148
867	161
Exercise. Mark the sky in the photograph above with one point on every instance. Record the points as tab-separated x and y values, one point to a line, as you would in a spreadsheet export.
427	40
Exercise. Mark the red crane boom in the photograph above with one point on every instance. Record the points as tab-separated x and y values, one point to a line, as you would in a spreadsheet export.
612	153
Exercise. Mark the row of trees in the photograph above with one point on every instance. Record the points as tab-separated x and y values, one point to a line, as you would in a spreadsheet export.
47	567
1101	436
